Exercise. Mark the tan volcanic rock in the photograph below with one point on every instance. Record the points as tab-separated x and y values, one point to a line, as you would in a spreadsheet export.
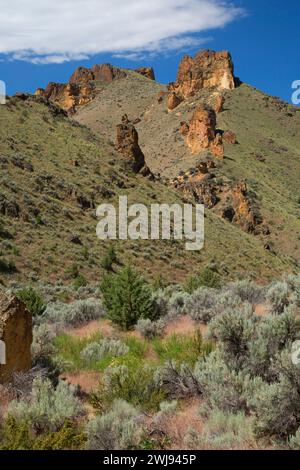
174	100
107	73
229	137
184	129
81	87
219	103
217	147
82	74
240	210
208	69
147	72
127	144
202	130
16	334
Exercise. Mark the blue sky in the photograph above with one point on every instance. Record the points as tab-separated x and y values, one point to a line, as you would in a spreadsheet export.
59	35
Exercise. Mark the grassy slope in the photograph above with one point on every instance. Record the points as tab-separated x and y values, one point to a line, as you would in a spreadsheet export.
264	127
40	246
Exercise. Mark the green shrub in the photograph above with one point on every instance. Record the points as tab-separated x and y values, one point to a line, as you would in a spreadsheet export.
80	281
181	348
7	267
207	278
132	383
17	435
116	430
33	301
109	259
127	298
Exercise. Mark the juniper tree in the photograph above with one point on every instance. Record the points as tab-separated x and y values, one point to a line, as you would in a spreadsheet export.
127	298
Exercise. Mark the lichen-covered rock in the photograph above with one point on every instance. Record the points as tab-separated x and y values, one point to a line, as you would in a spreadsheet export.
16	335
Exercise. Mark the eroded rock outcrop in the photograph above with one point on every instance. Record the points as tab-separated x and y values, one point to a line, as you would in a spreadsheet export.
238	206
81	88
16	336
197	184
208	69
127	144
147	72
174	100
219	103
202	134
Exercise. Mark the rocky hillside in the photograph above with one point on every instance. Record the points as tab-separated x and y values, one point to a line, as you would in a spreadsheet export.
204	138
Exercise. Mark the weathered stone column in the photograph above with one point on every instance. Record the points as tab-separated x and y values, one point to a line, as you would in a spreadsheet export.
16	336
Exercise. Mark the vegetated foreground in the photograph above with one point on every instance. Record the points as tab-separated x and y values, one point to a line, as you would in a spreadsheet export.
198	353
128	365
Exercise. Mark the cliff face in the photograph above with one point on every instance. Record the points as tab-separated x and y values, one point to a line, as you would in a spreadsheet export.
208	69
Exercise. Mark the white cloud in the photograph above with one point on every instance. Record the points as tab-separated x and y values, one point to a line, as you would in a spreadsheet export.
56	31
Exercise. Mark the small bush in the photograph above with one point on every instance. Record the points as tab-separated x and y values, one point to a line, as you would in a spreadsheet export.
116	430
177	381
105	348
274	334
223	387
74	314
109	259
33	301
42	345
294	441
279	297
19	436
7	267
48	407
201	305
223	431
234	330
133	383
150	329
207	278
177	304
277	405
247	291
179	348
